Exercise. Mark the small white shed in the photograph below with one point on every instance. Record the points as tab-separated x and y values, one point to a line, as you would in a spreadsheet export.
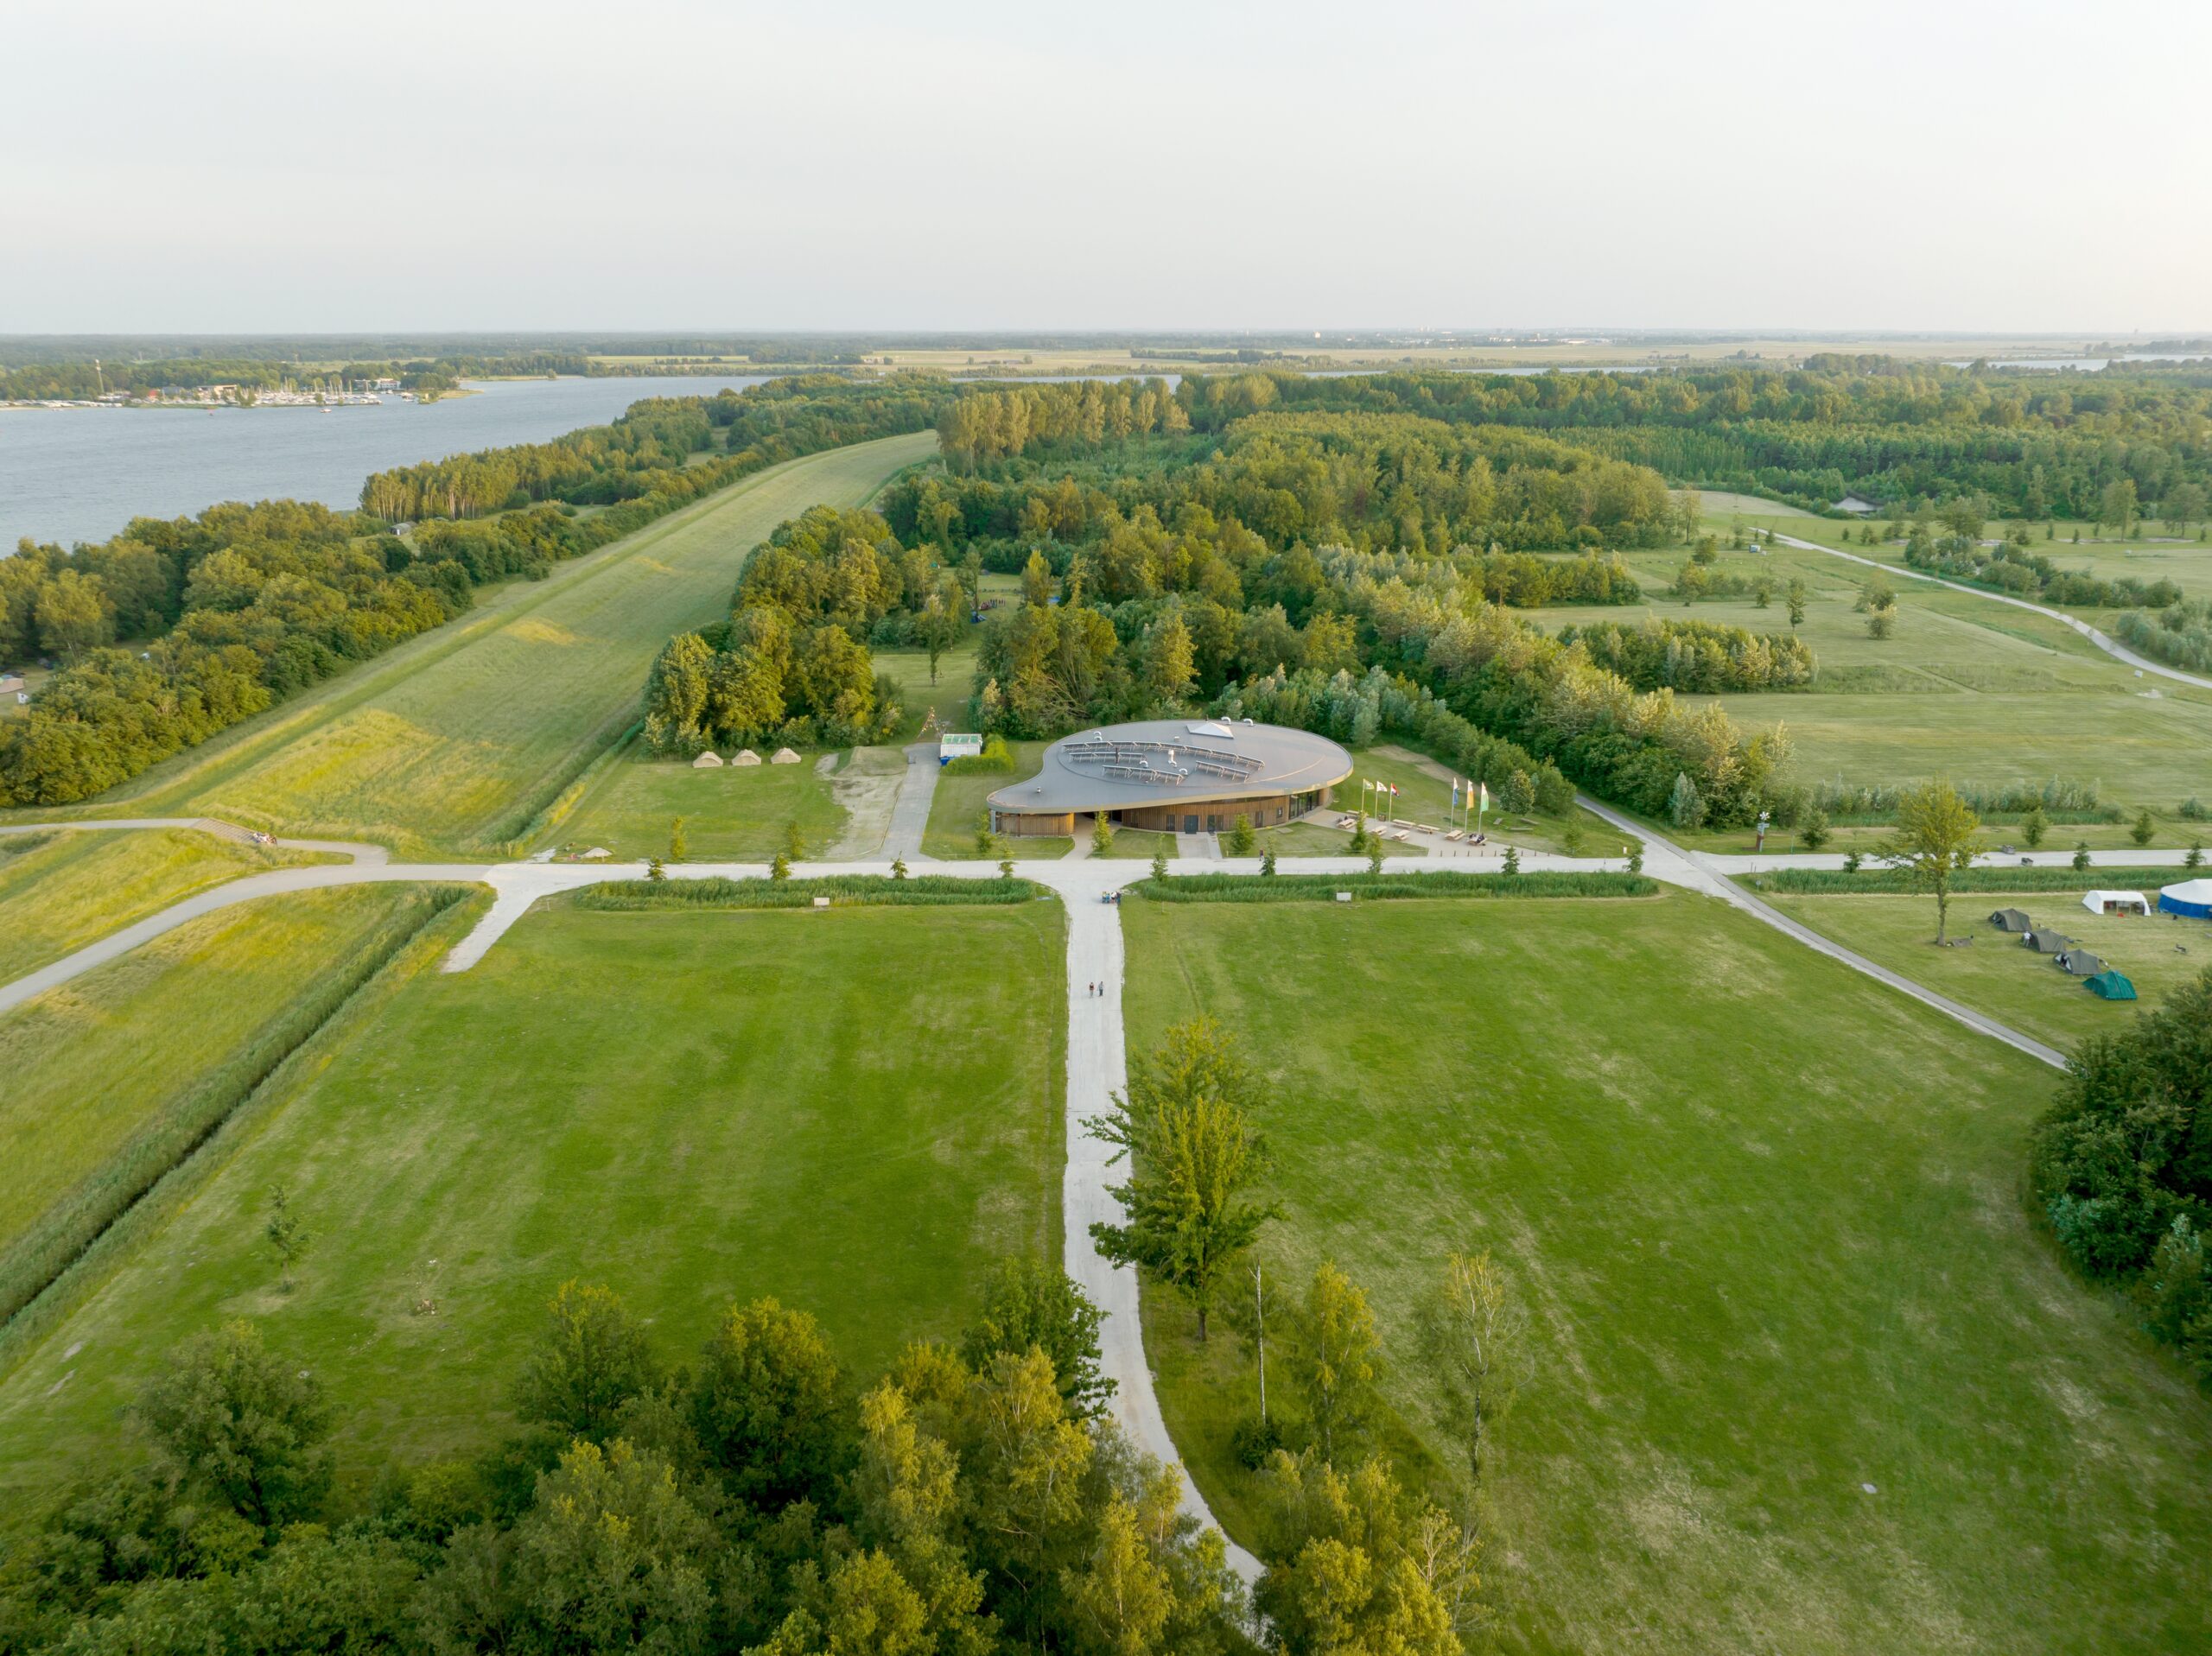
2116	903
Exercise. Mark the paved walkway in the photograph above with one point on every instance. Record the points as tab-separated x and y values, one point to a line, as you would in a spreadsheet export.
909	817
1663	860
1198	847
2111	646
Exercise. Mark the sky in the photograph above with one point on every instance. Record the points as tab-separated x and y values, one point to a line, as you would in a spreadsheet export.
233	165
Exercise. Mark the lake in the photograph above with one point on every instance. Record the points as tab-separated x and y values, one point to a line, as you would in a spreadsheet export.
80	474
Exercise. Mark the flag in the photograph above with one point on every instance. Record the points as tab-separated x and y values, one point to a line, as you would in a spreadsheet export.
1485	787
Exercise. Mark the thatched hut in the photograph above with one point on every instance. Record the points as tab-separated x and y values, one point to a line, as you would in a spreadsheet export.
708	761
783	756
746	756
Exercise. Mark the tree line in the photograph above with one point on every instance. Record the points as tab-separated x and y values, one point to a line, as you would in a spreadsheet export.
790	664
1889	430
174	631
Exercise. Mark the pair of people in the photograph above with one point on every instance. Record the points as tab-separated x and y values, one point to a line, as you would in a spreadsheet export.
1095	989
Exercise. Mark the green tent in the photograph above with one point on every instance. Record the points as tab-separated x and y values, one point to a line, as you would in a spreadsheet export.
2111	985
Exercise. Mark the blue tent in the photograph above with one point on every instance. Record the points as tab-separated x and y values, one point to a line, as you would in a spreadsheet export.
2192	897
2110	985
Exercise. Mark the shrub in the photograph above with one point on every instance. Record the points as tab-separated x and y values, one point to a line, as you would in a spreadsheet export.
996	759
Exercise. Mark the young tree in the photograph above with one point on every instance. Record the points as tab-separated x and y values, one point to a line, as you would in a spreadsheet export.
1685	809
1241	839
1570	837
287	1237
1184	1126
591	1359
765	1403
794	842
898	869
1267	862
1762	591
780	867
228	1415
1795	595
1102	835
1934	839
2144	830
2034	826
679	842
1882	622
1512	863
1374	854
940	625
1474	1333
1029	1305
1006	868
2080	855
987	843
1364	1568
2195	857
655	871
1813	828
1160	863
2116	506
1335	1355
1170	667
1037	582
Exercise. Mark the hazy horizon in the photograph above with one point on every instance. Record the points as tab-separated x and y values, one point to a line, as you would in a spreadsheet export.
249	167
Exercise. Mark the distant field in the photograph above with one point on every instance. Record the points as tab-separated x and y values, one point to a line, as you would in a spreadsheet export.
855	1111
1765	1217
57	894
1967	688
1997	974
105	1067
956	676
459	740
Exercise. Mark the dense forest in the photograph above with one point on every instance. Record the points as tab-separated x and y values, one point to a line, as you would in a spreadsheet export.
1343	572
227	613
1893	431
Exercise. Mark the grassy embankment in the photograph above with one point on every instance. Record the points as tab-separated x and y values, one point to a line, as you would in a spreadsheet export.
1764	1216
690	1107
58	892
464	738
115	1075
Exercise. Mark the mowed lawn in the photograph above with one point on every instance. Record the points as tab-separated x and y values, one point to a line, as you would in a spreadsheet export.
738	813
457	740
857	1111
2000	975
1766	1218
62	892
91	1063
961	802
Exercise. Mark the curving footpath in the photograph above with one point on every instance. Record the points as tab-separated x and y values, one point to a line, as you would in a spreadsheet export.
1096	1046
2111	646
1664	859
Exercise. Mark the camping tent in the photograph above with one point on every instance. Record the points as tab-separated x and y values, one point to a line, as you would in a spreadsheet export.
2115	903
2079	962
2047	941
2012	920
746	756
2111	985
783	756
708	761
2191	896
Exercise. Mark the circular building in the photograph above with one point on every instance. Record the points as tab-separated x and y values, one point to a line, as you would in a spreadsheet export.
2192	897
1174	776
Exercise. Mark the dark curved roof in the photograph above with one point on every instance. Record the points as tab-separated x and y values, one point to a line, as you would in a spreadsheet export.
1173	761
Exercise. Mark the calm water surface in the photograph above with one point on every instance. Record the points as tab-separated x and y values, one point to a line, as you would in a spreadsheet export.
80	474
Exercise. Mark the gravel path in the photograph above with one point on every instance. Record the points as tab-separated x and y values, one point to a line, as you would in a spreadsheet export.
909	817
1663	860
2111	646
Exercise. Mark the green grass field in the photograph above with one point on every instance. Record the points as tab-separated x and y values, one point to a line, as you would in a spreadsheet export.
2001	976
960	801
948	697
459	740
734	813
57	894
856	1111
1766	1217
95	1064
